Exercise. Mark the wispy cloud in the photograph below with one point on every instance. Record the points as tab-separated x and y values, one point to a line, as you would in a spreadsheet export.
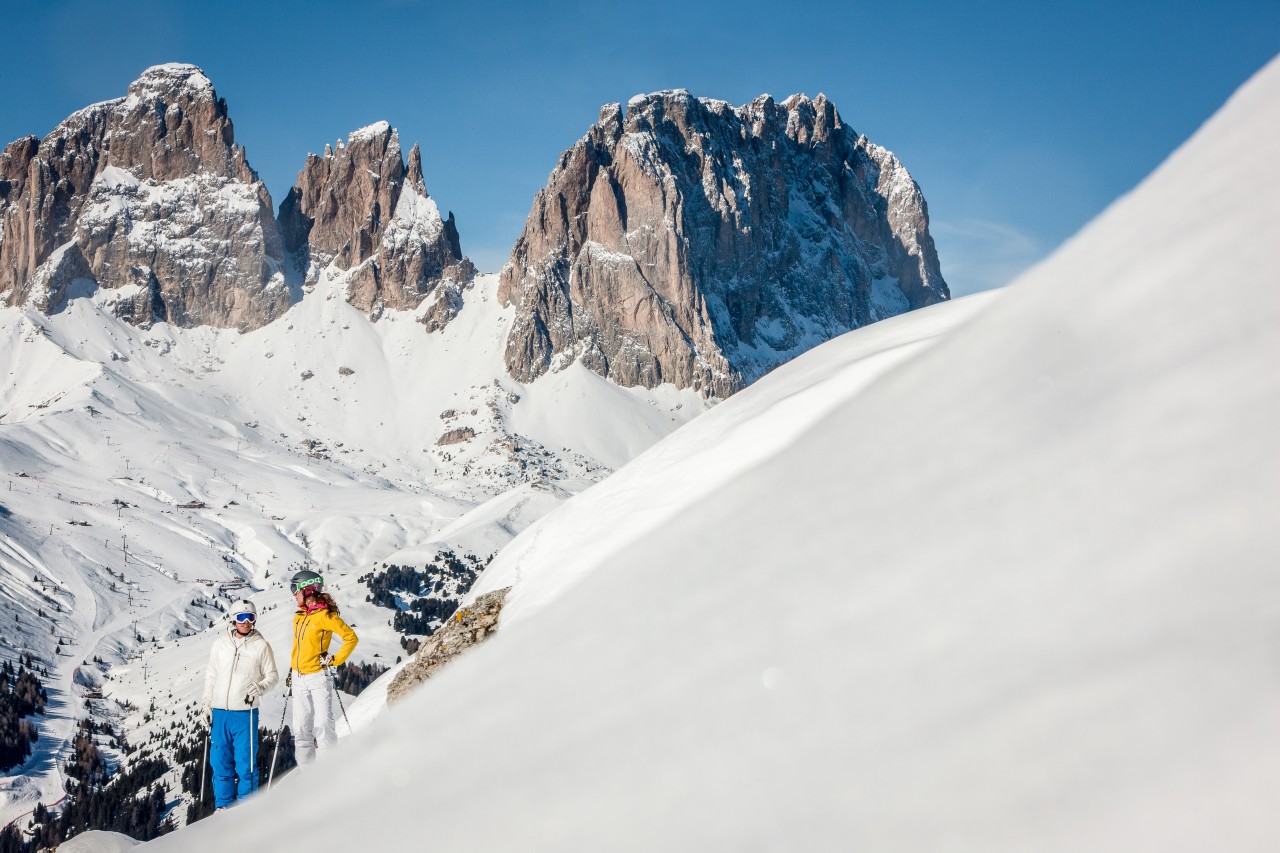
979	254
487	257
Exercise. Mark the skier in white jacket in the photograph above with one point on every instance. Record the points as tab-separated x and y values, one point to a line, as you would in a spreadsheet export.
242	668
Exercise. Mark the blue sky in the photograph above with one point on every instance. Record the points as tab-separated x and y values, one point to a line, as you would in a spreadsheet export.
1021	121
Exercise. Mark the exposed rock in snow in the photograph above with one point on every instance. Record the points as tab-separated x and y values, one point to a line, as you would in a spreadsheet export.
456	436
470	626
363	210
148	192
696	243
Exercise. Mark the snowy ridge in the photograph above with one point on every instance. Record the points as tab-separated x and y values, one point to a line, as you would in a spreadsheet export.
372	131
157	82
687	467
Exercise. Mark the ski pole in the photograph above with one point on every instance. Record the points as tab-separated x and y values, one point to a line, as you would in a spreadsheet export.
204	766
333	679
253	742
280	731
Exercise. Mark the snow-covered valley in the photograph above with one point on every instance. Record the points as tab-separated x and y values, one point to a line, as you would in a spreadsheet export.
151	474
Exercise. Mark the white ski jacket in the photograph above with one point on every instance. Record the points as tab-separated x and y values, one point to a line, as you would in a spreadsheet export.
235	662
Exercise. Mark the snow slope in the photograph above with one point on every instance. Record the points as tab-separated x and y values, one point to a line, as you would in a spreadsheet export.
1018	594
687	467
98	842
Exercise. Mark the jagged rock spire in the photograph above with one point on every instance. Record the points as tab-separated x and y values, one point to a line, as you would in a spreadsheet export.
359	208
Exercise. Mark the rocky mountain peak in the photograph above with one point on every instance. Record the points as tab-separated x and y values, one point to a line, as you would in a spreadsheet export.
811	121
147	195
413	176
362	210
171	81
664	102
689	241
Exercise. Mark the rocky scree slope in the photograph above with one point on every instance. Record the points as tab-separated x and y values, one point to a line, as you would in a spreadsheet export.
692	242
148	195
362	209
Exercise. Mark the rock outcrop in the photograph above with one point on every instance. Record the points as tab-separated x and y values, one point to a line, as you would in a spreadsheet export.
361	208
147	194
692	242
468	627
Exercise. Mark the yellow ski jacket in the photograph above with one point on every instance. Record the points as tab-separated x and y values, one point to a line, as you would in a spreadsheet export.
311	635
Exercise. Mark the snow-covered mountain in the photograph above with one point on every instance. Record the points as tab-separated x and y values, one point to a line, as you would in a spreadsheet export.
688	241
149	196
682	242
1017	593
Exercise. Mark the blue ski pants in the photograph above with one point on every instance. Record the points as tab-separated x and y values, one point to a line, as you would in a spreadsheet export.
233	745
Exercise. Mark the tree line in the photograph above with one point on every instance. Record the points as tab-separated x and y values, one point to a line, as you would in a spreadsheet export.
355	677
433	593
132	801
21	695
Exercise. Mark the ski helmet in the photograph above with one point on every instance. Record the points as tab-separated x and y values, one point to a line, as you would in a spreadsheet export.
242	607
306	581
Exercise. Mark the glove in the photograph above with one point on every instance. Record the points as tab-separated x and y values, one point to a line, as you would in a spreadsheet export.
252	693
288	679
206	712
326	660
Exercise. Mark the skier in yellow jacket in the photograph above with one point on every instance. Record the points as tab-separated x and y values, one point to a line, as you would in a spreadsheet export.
314	624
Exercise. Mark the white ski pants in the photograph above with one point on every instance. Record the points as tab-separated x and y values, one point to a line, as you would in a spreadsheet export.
313	723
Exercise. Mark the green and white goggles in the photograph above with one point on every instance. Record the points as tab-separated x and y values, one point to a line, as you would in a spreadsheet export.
316	583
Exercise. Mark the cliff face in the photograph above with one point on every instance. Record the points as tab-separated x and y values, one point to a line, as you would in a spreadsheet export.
148	195
692	242
361	208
